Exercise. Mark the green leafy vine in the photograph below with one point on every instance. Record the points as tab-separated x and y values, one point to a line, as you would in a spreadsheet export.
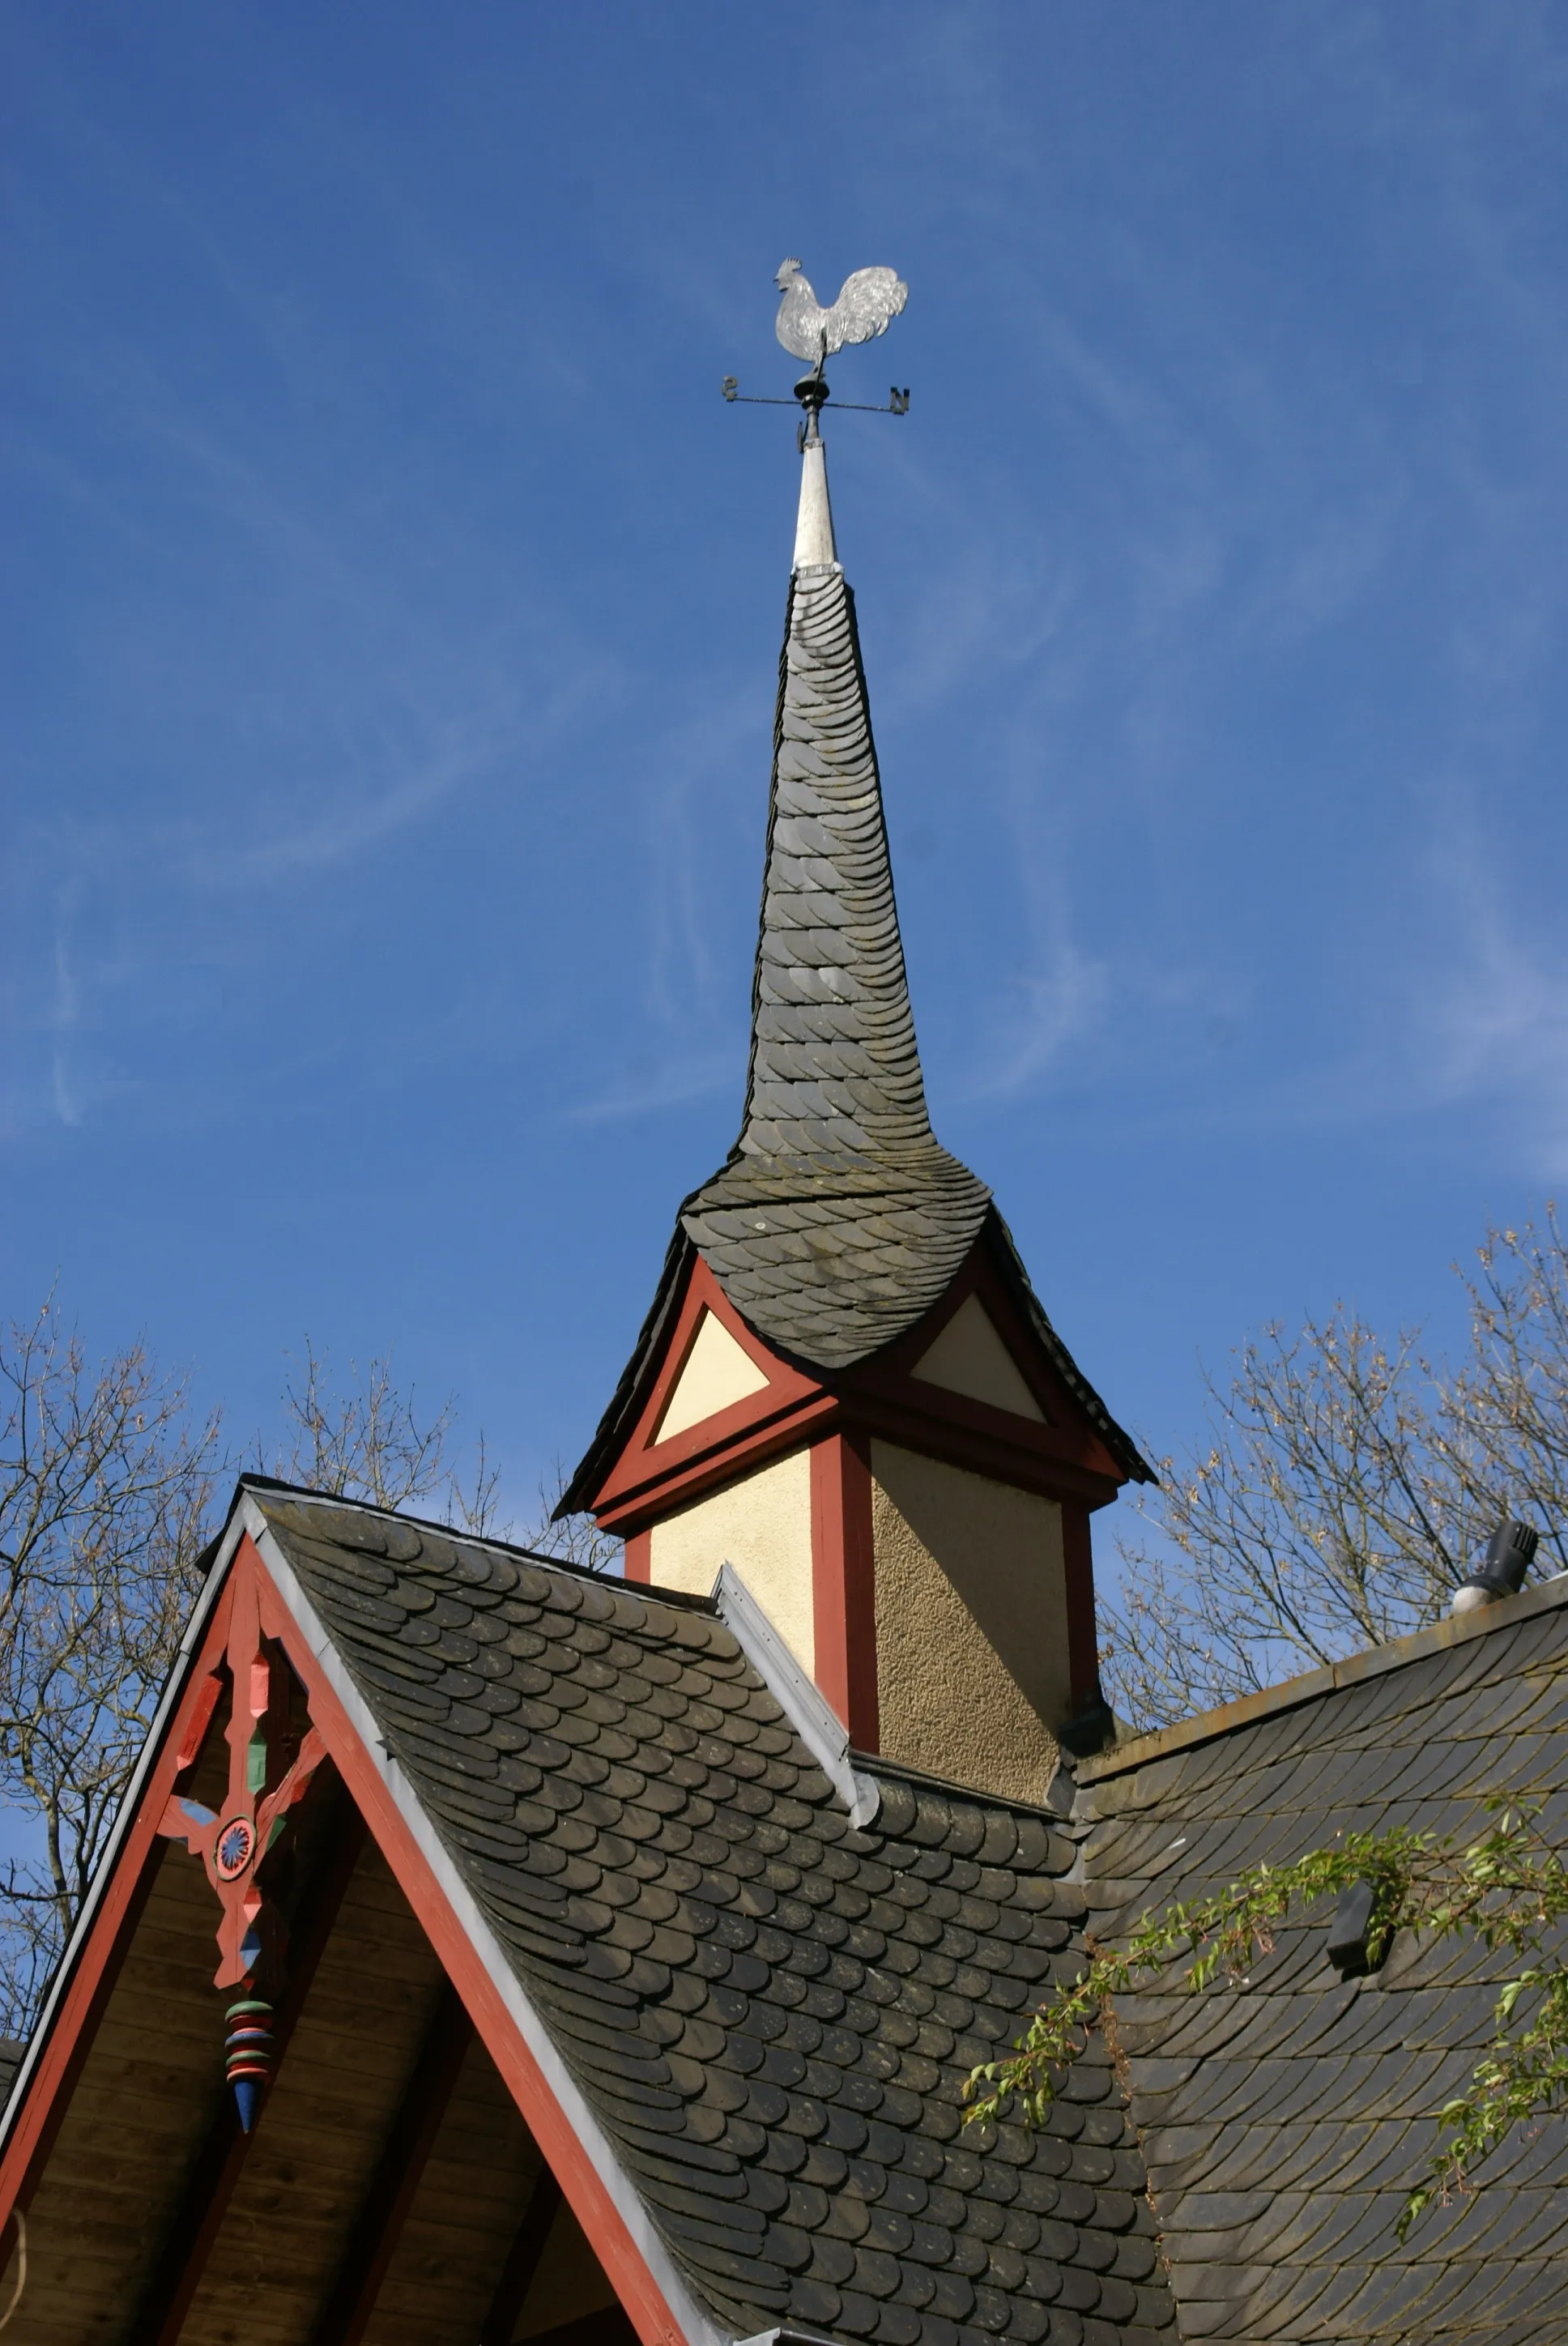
1507	1889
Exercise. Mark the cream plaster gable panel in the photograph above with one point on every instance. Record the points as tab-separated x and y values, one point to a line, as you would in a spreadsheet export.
970	1358
717	1374
761	1526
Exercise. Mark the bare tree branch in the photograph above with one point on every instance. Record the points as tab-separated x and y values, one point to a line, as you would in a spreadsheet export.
108	1485
106	1496
576	1538
1350	1486
368	1440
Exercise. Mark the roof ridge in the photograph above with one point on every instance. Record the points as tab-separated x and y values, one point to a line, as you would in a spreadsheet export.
1372	1661
680	1599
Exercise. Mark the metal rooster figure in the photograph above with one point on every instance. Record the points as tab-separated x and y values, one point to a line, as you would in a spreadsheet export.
867	305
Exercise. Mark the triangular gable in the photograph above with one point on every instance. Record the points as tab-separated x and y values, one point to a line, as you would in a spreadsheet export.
770	1404
594	1810
992	1359
969	1357
717	1374
254	1577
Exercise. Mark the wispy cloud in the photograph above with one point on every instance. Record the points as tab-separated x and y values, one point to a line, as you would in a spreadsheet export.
1495	1022
646	1090
63	1018
1039	1018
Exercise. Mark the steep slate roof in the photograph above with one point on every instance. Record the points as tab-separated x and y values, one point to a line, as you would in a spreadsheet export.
833	1066
1283	2126
770	2013
837	1217
838	1220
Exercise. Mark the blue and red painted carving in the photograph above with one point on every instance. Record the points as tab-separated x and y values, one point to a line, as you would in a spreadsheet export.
232	1843
234	1846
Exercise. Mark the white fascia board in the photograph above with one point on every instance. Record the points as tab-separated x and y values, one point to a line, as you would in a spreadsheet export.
697	2326
169	1702
799	1696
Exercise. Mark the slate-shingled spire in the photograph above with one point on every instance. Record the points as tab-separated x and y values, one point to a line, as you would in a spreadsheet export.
838	1218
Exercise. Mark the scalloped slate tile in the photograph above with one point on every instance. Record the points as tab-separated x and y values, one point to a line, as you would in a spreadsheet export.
1283	2126
771	2014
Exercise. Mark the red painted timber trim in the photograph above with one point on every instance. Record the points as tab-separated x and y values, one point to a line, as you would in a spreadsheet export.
589	2196
843	1586
639	1503
1054	1468
645	1461
934	1429
1069	1438
639	1555
1078	1571
978	1275
76	2021
1063	1458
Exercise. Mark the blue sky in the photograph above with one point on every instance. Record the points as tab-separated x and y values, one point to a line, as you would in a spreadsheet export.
392	611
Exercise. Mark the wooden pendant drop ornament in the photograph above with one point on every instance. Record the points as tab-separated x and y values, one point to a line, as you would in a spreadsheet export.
233	1843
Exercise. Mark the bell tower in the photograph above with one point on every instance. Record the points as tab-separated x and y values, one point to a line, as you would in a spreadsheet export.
846	1387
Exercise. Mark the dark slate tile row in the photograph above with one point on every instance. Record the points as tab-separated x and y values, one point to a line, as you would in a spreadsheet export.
829	1260
1283	2124
838	1220
771	2014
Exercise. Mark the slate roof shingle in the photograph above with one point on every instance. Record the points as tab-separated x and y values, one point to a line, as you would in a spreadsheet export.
770	2013
838	1218
1284	2124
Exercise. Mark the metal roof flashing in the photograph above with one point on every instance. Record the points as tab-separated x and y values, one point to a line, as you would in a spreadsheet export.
799	1696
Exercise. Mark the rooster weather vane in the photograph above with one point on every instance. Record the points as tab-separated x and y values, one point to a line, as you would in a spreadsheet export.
868	303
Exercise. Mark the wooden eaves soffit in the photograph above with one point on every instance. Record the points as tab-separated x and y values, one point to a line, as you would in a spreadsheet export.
607	2005
846	1386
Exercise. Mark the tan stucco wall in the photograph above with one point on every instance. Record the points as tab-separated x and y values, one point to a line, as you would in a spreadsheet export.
718	1372
763	1527
971	1624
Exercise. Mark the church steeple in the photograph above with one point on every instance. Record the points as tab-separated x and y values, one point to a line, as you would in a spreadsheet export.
838	1220
846	1387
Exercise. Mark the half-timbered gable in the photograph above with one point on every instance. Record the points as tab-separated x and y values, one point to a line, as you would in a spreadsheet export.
608	1998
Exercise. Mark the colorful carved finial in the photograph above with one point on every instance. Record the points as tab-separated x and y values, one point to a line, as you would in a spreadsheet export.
232	1843
248	2054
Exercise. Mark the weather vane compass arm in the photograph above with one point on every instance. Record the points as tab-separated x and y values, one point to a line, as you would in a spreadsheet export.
866	304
